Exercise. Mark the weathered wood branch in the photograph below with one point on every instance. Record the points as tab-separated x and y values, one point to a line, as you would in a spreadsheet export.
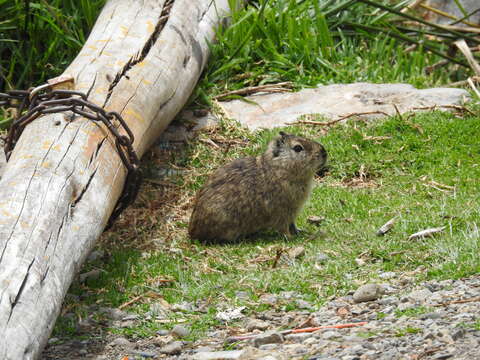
142	59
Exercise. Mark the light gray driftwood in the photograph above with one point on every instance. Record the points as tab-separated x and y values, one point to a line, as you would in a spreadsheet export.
64	177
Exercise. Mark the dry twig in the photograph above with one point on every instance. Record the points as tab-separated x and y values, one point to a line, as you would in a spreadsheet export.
280	87
445	14
333	122
412	6
277	257
426	233
472	85
386	227
461	301
210	142
428	352
465	82
463	47
435	107
130	302
467	29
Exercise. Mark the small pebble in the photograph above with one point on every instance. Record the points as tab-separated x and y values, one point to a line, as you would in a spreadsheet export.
256	324
368	292
121	342
322	258
173	348
268	338
180	331
219	355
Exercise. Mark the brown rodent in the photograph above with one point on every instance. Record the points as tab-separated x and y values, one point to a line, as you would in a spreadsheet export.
258	193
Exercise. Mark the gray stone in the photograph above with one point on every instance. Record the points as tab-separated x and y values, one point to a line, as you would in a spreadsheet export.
124	324
89	275
335	101
269	347
114	314
144	354
180	331
420	296
330	335
95	255
432	315
321	258
121	342
256	324
174	133
52	340
242	295
300	337
406	306
387	275
203	349
268	299
129	317
206	121
184	306
289	295
295	349
443	355
268	338
357	349
368	292
458	334
172	348
219	355
302	304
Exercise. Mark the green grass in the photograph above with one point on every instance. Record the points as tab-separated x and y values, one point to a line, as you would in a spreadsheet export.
413	312
432	146
38	41
407	331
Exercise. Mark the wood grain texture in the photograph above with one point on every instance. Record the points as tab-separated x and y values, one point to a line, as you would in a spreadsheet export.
64	176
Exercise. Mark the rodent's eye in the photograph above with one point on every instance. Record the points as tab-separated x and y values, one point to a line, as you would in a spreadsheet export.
298	148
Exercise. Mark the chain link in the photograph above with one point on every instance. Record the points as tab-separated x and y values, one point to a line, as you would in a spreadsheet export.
33	103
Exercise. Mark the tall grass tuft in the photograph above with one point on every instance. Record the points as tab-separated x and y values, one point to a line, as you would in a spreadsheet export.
310	42
38	39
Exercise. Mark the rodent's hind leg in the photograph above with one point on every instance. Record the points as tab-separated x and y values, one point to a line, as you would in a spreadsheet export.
284	229
294	230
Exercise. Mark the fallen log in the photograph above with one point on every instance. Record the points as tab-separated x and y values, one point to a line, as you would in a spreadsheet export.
142	60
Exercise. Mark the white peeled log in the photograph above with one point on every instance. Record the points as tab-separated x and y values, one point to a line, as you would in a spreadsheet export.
64	176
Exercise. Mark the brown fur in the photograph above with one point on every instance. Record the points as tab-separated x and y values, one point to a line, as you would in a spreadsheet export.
258	193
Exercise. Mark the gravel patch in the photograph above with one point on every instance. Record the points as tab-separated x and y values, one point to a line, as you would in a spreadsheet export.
432	320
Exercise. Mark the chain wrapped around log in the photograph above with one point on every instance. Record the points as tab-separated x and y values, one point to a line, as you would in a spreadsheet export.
42	100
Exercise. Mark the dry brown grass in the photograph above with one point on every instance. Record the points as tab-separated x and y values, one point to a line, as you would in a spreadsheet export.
160	215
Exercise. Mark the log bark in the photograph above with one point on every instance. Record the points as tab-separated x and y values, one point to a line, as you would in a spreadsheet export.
142	59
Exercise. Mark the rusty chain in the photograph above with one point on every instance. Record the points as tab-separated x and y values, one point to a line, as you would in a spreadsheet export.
33	103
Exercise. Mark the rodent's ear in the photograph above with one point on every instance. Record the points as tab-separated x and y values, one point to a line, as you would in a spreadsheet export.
282	134
276	148
277	144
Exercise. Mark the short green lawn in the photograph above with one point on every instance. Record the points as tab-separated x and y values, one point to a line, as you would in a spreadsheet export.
423	170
